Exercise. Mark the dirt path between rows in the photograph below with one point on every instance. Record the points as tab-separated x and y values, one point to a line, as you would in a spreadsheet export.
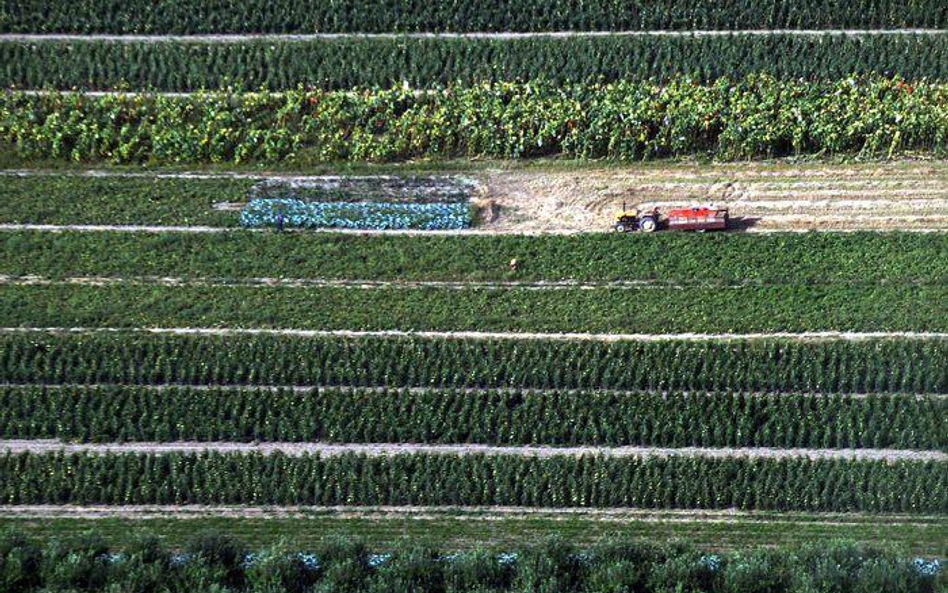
302	37
473	513
473	335
387	449
381	389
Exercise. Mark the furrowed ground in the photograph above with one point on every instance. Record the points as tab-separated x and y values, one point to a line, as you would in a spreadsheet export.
163	367
767	436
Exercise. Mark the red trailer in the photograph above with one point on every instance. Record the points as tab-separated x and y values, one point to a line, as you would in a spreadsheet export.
697	218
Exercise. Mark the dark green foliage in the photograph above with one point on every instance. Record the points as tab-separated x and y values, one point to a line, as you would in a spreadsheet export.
865	259
554	565
365	16
786	484
644	310
423	63
490	417
124	200
756	117
902	366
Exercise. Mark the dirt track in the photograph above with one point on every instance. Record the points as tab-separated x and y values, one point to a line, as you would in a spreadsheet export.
385	449
479	335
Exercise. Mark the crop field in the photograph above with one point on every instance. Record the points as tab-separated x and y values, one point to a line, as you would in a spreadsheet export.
319	296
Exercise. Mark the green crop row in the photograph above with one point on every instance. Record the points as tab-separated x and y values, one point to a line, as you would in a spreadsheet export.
372	16
757	117
211	561
123	200
811	258
475	480
905	365
628	310
117	413
424	62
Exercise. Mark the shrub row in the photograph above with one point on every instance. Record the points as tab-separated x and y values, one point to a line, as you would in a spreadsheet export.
475	480
214	562
114	413
909	366
371	16
424	62
757	117
812	258
645	310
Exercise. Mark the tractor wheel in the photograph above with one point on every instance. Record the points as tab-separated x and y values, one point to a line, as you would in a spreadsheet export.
648	224
621	228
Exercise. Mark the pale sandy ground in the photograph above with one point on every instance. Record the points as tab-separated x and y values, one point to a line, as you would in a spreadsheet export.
386	449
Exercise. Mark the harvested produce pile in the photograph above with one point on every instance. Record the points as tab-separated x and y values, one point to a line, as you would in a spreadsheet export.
369	16
295	213
342	63
758	117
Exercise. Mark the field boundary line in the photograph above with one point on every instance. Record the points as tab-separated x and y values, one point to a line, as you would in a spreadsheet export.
158	229
475	335
488	513
468	390
328	449
499	36
360	284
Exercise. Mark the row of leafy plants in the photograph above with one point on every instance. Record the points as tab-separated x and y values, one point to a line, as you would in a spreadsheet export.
116	413
756	117
630	310
591	481
294	213
210	561
812	258
371	16
167	200
342	63
829	366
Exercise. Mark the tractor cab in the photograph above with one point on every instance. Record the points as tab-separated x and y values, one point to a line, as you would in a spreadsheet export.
629	220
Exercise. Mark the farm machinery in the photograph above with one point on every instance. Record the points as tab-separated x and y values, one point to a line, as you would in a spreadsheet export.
694	218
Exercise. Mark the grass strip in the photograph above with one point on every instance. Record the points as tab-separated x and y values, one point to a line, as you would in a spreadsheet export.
808	258
126	413
648	310
461	530
875	365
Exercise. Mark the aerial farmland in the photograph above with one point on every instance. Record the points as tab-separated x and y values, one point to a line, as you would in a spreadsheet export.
474	296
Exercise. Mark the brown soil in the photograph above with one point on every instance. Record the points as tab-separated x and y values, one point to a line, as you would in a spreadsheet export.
760	197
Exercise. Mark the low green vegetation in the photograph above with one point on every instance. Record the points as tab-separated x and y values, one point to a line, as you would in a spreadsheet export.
211	561
756	117
596	481
460	529
830	366
120	200
342	63
902	259
369	16
645	310
517	417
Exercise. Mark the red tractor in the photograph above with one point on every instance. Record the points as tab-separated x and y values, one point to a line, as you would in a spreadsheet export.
695	218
